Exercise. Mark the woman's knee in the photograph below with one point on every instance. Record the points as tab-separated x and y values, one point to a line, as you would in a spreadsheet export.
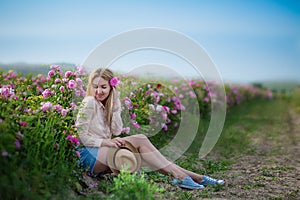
138	139
142	136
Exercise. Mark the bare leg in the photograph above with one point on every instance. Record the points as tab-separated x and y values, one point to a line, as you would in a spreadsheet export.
151	157
196	177
154	159
101	165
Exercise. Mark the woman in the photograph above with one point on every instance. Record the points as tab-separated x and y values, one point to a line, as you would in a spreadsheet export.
100	118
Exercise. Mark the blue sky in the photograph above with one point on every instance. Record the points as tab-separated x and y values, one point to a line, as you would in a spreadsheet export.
247	40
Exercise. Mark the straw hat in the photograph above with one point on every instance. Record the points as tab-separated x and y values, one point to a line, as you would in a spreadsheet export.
126	156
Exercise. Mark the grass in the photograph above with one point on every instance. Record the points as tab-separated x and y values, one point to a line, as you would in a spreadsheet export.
295	99
242	125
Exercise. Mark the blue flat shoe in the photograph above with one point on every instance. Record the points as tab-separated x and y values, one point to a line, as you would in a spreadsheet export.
206	180
187	183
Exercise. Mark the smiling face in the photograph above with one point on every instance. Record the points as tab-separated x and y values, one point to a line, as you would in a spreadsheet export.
101	89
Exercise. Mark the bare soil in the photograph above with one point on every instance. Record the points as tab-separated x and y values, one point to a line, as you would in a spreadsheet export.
273	171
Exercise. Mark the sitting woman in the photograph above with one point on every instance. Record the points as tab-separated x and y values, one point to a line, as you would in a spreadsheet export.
100	118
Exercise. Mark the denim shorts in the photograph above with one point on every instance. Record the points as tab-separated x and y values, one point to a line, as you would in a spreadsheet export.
88	157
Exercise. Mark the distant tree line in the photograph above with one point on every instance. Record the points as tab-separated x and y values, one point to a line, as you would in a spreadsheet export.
34	69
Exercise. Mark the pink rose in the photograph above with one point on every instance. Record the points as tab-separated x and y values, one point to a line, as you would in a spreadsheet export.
7	91
4	153
57	107
73	105
61	88
126	130
164	127
17	144
64	112
57	80
22	123
73	139
46	93
136	125
46	106
127	102
54	67
132	115
80	70
114	82
166	108
79	81
71	84
192	94
51	73
68	73
174	112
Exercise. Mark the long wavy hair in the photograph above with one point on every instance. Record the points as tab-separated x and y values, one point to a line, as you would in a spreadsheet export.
106	74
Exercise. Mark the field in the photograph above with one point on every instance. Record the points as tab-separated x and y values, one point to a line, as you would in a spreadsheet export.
257	154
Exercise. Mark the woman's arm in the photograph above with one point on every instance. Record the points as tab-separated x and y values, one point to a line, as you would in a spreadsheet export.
83	123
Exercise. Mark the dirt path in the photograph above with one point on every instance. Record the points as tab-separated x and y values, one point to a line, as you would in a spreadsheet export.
273	171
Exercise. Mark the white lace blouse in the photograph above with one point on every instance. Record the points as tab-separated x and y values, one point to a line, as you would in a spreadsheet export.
91	123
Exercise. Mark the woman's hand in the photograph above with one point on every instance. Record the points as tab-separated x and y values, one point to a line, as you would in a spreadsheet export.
116	142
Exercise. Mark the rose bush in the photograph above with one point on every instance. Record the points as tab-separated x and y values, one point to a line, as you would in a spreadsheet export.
37	135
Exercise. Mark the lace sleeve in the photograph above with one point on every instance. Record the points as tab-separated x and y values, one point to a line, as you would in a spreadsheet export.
83	123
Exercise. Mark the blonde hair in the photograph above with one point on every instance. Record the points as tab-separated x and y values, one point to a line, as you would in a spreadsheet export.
106	74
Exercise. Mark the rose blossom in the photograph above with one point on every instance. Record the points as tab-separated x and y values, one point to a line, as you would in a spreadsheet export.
73	139
46	93
22	123
164	127
4	153
132	115
80	70
68	73
126	130
64	112
79	81
57	80
17	144
166	108
61	88
46	106
57	107
136	125
114	82
73	105
71	84
51	73
127	102
19	135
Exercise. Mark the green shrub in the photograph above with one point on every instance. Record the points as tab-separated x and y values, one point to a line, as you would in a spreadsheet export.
134	186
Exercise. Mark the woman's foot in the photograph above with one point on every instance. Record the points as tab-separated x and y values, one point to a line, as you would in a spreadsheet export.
206	180
187	183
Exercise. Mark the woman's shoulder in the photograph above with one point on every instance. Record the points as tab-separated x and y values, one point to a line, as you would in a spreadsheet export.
89	100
